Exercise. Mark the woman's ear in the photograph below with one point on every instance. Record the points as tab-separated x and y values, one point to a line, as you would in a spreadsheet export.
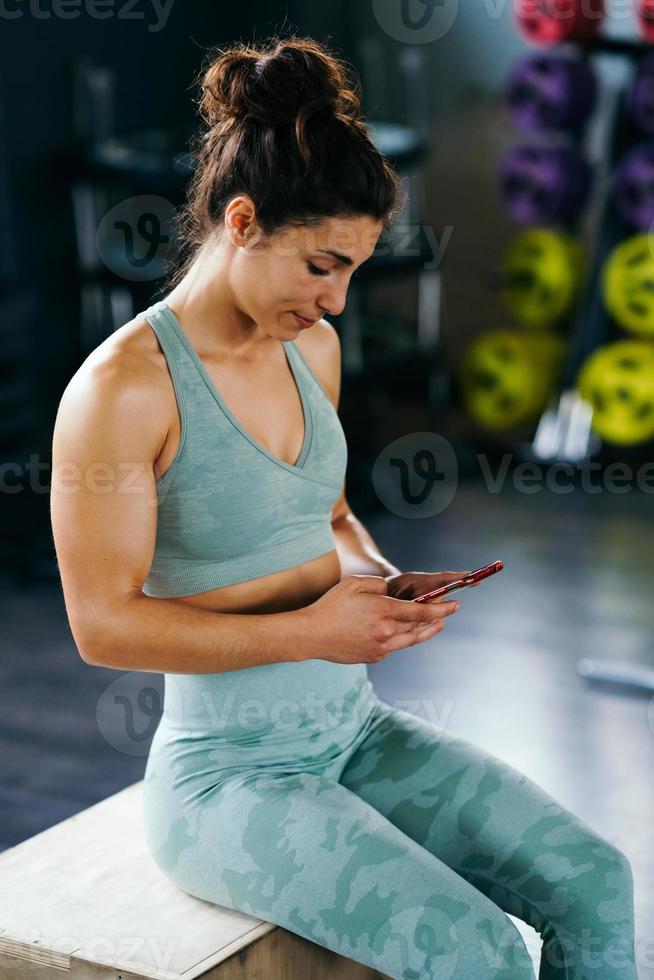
240	220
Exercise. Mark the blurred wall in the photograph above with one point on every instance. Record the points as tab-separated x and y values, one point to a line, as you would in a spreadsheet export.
156	50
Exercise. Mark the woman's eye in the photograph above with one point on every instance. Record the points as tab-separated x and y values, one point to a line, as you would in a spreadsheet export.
316	271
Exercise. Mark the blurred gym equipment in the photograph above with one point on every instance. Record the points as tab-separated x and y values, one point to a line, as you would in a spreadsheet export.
628	284
543	184
645	18
641	95
541	275
633	187
557	21
507	377
618	381
549	91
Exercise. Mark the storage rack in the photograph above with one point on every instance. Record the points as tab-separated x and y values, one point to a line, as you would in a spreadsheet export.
563	433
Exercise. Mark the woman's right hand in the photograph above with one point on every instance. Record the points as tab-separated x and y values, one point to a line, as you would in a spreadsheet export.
356	621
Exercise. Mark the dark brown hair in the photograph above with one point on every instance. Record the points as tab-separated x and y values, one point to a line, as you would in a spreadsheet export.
284	126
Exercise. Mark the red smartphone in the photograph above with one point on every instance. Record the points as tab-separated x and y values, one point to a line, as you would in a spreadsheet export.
461	583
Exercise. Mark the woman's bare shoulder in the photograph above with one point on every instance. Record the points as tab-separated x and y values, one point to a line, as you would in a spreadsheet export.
125	376
132	356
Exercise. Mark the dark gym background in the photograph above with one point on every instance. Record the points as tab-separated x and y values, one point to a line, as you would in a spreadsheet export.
577	581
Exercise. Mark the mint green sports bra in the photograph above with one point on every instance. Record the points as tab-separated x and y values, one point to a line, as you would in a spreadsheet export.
227	509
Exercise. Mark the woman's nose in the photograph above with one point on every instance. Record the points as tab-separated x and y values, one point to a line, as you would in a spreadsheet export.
333	301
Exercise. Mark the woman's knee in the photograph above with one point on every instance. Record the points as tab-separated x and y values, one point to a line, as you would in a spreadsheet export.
620	864
458	939
591	910
503	948
602	876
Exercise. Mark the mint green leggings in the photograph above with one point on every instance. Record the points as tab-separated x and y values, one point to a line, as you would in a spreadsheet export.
395	843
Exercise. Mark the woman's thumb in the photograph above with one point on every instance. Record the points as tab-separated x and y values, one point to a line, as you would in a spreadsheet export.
370	583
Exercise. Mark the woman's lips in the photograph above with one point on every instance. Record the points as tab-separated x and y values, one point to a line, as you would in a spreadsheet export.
302	321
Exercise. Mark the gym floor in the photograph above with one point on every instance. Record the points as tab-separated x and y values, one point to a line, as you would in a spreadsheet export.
576	583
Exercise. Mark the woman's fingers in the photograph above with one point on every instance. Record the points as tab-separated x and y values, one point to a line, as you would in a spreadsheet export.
422	612
425	625
408	637
444	607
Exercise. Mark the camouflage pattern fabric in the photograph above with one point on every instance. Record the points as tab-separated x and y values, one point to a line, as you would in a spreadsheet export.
382	837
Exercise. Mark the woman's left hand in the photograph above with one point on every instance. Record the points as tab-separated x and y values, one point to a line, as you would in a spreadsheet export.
409	585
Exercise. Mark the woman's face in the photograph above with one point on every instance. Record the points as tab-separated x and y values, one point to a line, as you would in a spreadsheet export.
301	270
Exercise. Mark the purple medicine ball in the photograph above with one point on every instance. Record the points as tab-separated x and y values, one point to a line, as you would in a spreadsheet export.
641	96
544	184
633	186
547	91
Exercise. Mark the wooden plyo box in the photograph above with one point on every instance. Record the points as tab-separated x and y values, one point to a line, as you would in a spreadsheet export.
85	900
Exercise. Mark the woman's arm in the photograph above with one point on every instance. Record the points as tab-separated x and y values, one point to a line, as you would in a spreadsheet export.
357	552
165	636
104	519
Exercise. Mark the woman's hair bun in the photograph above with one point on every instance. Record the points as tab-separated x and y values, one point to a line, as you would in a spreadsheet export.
277	82
282	114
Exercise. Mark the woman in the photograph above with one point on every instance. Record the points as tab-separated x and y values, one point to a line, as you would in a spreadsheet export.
278	783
